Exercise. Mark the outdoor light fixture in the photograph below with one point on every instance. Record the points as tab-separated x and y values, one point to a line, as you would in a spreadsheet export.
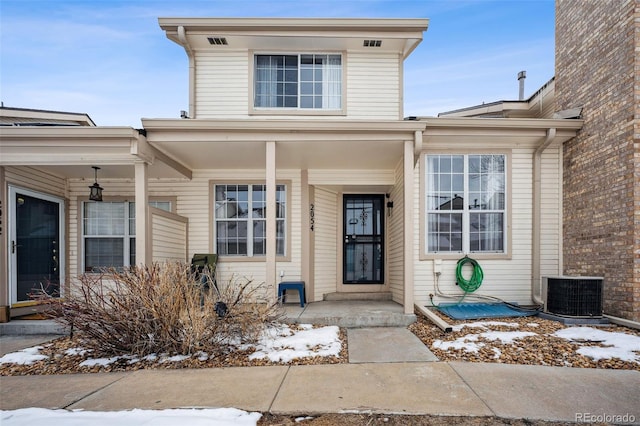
96	190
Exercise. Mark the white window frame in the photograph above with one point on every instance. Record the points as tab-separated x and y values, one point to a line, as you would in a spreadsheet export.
163	203
250	220
254	109
466	211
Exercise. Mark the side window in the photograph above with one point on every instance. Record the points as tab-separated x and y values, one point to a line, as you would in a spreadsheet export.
465	203
240	219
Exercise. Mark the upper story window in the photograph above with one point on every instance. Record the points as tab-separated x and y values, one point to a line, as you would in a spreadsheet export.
309	81
465	203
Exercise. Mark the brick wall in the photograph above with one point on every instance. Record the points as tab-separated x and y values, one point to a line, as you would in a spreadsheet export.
598	68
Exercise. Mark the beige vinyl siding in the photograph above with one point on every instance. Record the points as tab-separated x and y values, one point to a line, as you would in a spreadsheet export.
325	250
36	180
508	279
352	177
373	86
551	203
221	82
395	237
168	236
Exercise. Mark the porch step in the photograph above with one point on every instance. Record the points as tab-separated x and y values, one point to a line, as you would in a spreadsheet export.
20	327
332	297
350	314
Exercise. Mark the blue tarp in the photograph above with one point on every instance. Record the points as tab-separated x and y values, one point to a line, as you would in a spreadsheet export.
463	311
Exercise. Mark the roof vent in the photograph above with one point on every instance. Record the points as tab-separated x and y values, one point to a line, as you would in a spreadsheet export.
372	43
218	41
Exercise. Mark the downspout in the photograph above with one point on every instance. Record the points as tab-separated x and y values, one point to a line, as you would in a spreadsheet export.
182	36
536	290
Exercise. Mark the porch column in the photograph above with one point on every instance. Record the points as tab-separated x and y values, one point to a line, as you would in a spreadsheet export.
143	245
409	229
271	216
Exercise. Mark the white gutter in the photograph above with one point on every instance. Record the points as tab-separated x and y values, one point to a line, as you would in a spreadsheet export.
536	284
182	36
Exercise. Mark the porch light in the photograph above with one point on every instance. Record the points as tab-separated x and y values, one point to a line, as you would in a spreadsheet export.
96	190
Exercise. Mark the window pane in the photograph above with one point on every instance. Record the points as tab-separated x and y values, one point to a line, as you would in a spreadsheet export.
486	232
444	232
101	253
103	218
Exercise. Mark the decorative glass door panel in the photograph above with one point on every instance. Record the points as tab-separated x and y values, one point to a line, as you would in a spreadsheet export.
35	245
363	254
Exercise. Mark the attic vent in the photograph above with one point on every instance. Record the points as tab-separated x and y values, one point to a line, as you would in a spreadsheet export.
372	43
218	41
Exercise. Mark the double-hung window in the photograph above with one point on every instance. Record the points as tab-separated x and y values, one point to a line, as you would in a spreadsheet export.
240	219
109	233
465	203
309	81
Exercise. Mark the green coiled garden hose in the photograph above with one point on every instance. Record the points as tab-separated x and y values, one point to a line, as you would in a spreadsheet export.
475	281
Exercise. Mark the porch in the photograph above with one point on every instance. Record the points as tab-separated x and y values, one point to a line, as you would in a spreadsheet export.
349	313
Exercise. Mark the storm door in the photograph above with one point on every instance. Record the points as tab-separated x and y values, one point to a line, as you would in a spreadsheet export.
35	246
363	253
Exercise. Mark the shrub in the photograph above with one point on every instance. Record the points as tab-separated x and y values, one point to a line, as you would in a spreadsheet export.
164	308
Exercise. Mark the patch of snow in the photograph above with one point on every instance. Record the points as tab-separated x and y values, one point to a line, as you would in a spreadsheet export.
469	343
175	358
75	351
192	417
91	362
281	344
302	419
618	345
497	352
533	324
24	357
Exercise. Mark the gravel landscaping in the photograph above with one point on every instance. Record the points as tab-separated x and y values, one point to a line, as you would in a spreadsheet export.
527	340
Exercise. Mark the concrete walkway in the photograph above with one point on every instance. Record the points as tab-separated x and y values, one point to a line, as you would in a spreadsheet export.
404	381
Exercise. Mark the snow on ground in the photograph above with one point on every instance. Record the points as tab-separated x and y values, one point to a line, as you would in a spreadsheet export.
25	356
278	344
470	343
617	345
192	417
625	347
283	344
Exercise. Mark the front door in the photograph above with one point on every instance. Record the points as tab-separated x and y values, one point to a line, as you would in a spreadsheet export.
35	247
363	233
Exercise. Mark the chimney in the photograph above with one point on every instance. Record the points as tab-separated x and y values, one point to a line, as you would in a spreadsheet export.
521	76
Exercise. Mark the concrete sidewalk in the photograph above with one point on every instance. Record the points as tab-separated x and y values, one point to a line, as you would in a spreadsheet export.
463	389
407	381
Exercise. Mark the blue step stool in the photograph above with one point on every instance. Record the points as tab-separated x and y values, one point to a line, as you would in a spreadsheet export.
291	285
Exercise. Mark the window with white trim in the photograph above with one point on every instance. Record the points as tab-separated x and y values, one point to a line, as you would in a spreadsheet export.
465	203
240	219
309	81
109	233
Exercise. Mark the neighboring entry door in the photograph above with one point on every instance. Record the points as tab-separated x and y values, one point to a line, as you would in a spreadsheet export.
35	247
363	230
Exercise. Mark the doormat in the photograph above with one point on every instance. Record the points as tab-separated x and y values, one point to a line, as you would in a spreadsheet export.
463	311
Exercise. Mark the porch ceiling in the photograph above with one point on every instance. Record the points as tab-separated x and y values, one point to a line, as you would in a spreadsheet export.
240	144
70	152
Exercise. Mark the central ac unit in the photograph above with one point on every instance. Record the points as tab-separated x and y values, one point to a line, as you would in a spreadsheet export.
579	297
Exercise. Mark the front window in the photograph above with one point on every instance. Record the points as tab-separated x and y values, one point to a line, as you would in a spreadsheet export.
311	81
240	220
465	203
109	233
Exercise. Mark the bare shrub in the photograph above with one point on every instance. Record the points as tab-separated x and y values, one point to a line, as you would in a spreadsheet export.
164	308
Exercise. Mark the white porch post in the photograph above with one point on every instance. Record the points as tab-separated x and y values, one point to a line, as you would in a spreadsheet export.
143	245
409	229
271	215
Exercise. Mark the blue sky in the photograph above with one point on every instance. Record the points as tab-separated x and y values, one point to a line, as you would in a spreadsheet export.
110	58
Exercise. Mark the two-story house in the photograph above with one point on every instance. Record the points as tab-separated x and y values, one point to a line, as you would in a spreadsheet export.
295	160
